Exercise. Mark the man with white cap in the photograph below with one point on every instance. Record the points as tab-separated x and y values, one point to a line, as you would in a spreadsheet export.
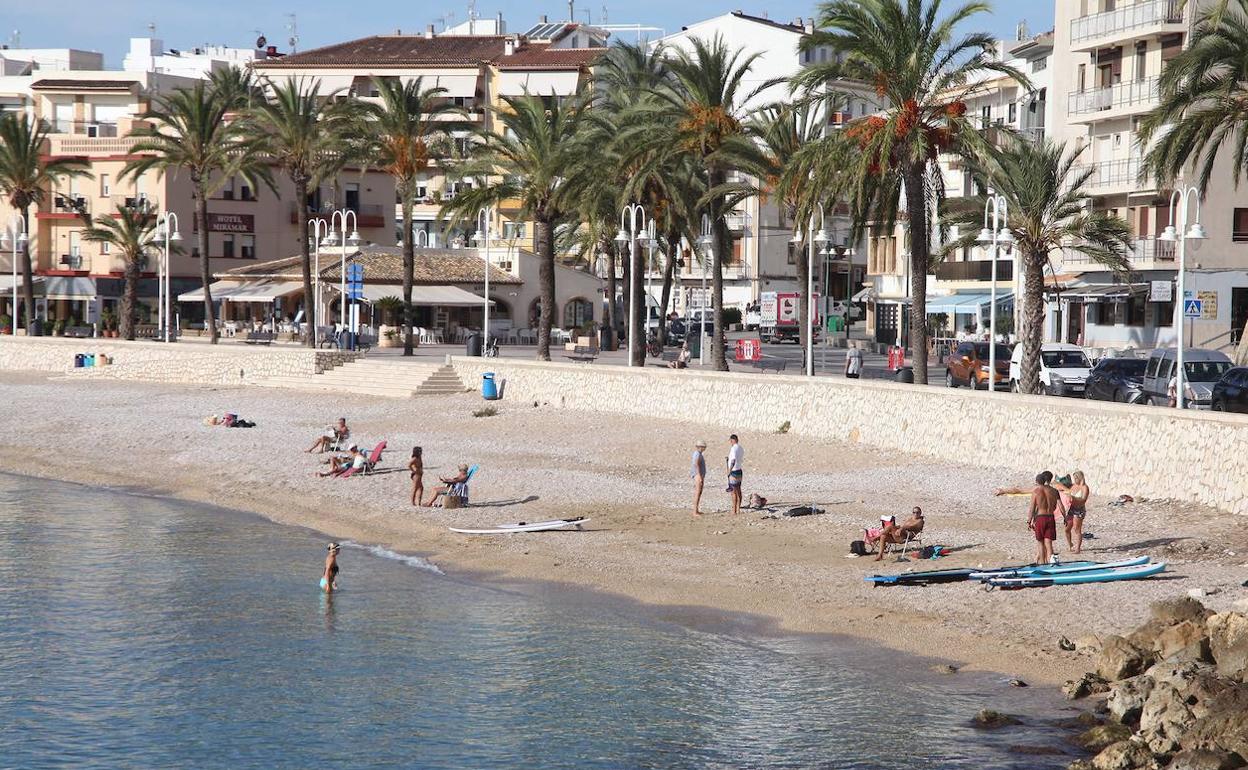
890	532
697	472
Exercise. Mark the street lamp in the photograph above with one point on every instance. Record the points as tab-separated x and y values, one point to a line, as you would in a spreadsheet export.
318	226
706	243
167	228
1196	232
819	240
482	238
633	235
19	239
340	218
996	211
652	240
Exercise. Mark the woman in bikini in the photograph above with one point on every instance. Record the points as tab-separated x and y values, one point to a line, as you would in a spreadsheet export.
329	578
416	467
1078	492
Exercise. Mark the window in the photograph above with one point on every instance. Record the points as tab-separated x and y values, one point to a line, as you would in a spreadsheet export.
1082	79
352	199
105	190
1164	313
1141	49
1136	310
513	230
227	190
105	247
985	115
792	259
1239	226
227	246
422	191
245	193
1013	112
249	247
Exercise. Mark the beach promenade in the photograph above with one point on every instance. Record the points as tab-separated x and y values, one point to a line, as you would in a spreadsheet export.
629	473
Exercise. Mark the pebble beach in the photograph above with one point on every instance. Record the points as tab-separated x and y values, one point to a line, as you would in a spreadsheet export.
630	477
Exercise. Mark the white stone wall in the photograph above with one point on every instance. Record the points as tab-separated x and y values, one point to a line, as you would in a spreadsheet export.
193	363
1137	450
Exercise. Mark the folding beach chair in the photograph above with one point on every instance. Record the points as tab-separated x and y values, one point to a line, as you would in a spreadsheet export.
370	462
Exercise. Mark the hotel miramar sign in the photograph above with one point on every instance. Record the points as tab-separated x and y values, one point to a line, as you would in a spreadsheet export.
231	223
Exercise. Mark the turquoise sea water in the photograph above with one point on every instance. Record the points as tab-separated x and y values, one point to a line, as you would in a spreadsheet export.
143	632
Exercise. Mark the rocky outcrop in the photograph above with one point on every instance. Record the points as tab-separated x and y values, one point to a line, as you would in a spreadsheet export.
1177	695
987	719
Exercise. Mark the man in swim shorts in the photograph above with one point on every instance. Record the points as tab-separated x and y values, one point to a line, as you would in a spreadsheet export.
1042	509
736	471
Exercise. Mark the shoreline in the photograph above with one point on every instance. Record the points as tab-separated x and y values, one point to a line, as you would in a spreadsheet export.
787	574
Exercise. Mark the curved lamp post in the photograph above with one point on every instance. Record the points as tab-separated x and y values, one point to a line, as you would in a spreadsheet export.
1180	199
996	213
634	216
482	238
19	238
167	228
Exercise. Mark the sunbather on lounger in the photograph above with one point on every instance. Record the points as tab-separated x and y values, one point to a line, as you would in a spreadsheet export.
449	484
335	435
341	463
890	533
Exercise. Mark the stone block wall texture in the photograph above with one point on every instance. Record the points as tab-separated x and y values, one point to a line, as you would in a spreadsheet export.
191	363
1123	448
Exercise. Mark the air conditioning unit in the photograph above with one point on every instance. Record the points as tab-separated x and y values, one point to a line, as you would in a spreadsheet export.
93	130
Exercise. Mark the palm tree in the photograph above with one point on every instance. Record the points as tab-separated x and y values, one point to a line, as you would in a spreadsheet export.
401	135
307	137
130	232
526	162
1049	209
923	71
26	176
1204	102
193	131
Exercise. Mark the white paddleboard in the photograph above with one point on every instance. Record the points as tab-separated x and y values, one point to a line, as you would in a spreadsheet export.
508	529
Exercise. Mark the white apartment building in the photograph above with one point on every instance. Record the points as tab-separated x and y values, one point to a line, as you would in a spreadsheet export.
24	61
1108	55
148	54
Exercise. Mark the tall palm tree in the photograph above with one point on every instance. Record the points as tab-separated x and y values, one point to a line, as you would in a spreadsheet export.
400	135
27	174
192	131
702	117
923	69
1204	102
526	162
1049	208
131	233
307	137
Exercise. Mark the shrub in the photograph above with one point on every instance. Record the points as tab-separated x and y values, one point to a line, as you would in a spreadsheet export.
732	315
784	427
488	411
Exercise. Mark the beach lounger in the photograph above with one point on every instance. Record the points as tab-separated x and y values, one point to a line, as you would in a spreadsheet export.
914	542
459	491
370	462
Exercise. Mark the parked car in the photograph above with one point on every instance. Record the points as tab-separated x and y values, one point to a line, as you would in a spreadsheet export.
1064	368
1230	394
1116	379
1203	369
968	365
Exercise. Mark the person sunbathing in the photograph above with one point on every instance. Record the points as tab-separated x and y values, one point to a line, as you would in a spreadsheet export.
339	464
451	486
335	435
890	533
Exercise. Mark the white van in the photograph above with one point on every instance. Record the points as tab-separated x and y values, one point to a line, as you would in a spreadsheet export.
1064	368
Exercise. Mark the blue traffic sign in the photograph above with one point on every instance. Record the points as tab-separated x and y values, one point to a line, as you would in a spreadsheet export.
355	271
1192	308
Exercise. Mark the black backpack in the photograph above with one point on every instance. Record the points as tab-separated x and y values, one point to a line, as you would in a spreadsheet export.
858	548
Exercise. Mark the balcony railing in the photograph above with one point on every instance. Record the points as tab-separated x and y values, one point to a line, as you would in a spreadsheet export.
1143	250
975	270
132	201
1112	173
70	262
95	130
1119	95
71	203
1126	18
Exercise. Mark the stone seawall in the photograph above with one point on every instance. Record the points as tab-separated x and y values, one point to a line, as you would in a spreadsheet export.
192	363
1138	450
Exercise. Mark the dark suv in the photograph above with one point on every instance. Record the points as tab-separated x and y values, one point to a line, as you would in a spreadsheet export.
1116	379
1230	394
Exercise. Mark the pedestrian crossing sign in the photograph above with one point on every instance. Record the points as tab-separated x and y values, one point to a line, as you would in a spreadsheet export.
1191	308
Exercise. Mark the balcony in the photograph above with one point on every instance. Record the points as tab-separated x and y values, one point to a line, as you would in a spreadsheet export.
1147	252
975	270
737	223
140	201
1113	176
1139	94
1133	19
371	215
66	206
71	261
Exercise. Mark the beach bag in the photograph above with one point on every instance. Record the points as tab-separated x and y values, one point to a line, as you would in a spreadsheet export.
932	551
858	548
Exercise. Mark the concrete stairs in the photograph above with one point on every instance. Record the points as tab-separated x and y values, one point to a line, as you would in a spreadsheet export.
377	377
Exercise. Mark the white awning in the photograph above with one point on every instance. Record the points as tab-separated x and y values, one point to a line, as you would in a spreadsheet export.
538	83
245	291
864	295
6	284
455	85
443	296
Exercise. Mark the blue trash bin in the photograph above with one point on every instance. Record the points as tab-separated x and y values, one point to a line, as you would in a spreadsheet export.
88	359
78	360
489	389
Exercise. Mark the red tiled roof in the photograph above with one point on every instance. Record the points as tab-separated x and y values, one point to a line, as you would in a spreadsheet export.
542	56
85	85
396	51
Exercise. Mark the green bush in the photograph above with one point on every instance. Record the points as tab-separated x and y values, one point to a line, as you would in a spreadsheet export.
732	315
6	322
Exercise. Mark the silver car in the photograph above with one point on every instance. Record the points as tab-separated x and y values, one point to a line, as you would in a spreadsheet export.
1203	368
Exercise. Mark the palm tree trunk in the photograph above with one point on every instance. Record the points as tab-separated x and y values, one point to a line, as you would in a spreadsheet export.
305	251
201	237
1033	320
916	210
409	274
546	280
669	275
637	321
28	280
611	321
130	296
723	243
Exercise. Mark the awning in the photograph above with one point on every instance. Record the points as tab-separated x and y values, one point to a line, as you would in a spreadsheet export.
68	287
6	284
967	302
455	85
864	295
538	83
244	291
1104	292
439	296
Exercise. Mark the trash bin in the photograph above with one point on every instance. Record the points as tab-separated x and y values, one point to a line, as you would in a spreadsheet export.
489	388
79	360
836	323
474	345
606	341
906	374
695	344
88	359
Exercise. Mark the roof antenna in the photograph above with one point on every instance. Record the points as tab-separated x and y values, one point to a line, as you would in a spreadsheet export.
572	11
604	14
293	26
151	29
472	17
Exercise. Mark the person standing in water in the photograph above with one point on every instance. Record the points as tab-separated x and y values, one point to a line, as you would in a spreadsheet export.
416	468
736	471
697	472
329	578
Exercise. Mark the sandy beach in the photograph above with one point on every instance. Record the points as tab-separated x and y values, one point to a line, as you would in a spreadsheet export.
631	477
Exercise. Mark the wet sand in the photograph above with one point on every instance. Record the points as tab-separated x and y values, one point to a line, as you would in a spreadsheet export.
631	477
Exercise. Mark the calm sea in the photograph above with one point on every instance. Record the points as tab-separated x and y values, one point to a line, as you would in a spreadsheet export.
140	632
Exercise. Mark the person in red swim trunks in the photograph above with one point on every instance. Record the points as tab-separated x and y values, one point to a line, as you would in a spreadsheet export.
1045	504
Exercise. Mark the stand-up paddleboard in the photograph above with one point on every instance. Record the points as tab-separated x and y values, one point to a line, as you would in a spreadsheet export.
1075	578
951	575
1045	570
510	529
